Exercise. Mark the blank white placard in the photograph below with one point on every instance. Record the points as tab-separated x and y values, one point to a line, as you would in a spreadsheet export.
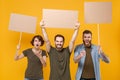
98	12
60	18
22	23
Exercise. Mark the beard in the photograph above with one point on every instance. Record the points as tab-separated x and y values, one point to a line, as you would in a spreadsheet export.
87	43
59	46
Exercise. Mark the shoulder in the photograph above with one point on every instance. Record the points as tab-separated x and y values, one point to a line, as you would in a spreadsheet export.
29	49
66	49
26	51
79	46
94	46
44	53
52	48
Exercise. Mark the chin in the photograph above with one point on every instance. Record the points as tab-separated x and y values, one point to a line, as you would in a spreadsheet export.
59	48
87	44
37	47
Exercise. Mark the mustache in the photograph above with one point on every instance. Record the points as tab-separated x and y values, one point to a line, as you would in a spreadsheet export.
87	41
58	44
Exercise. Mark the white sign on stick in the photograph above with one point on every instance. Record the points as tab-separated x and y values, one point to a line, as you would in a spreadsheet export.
98	12
22	23
60	18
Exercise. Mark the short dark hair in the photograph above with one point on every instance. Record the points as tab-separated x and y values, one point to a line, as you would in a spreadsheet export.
39	37
87	32
59	35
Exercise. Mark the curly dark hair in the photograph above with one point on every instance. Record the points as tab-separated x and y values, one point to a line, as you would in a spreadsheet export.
39	37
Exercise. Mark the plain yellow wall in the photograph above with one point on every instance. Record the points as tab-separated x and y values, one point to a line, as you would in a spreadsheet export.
109	36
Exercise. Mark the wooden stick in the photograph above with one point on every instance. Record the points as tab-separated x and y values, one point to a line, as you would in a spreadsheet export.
98	34
20	38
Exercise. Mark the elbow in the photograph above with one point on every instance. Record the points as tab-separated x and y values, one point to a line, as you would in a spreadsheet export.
75	60
107	61
16	58
44	64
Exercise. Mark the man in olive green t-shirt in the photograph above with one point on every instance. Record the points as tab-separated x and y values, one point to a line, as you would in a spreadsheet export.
59	56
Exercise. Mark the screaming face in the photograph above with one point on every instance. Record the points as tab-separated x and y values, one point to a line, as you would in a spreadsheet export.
37	43
87	39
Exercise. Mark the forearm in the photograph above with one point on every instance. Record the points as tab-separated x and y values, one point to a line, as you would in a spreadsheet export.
16	57
71	44
45	34
77	58
104	57
74	35
46	39
42	61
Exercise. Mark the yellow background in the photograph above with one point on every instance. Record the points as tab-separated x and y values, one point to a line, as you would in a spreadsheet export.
109	36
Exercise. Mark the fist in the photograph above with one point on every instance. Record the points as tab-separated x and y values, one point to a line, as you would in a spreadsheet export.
18	46
42	23
82	53
77	25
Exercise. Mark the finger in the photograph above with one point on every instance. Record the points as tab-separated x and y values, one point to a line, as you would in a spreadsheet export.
41	22
77	24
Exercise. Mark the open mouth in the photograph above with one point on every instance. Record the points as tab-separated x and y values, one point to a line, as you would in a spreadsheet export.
37	45
87	42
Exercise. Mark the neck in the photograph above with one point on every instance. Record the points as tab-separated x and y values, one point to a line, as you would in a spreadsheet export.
59	49
37	49
89	45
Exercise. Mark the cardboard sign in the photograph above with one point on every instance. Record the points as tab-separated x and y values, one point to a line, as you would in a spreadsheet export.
98	12
60	18
22	23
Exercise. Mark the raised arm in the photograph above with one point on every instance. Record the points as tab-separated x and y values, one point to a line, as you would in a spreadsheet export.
76	29
42	24
103	56
17	55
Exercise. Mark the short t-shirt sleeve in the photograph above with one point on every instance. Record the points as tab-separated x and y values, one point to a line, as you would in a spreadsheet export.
25	52
68	50
51	49
44	53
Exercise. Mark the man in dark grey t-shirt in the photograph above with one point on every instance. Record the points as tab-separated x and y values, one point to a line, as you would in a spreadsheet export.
59	56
